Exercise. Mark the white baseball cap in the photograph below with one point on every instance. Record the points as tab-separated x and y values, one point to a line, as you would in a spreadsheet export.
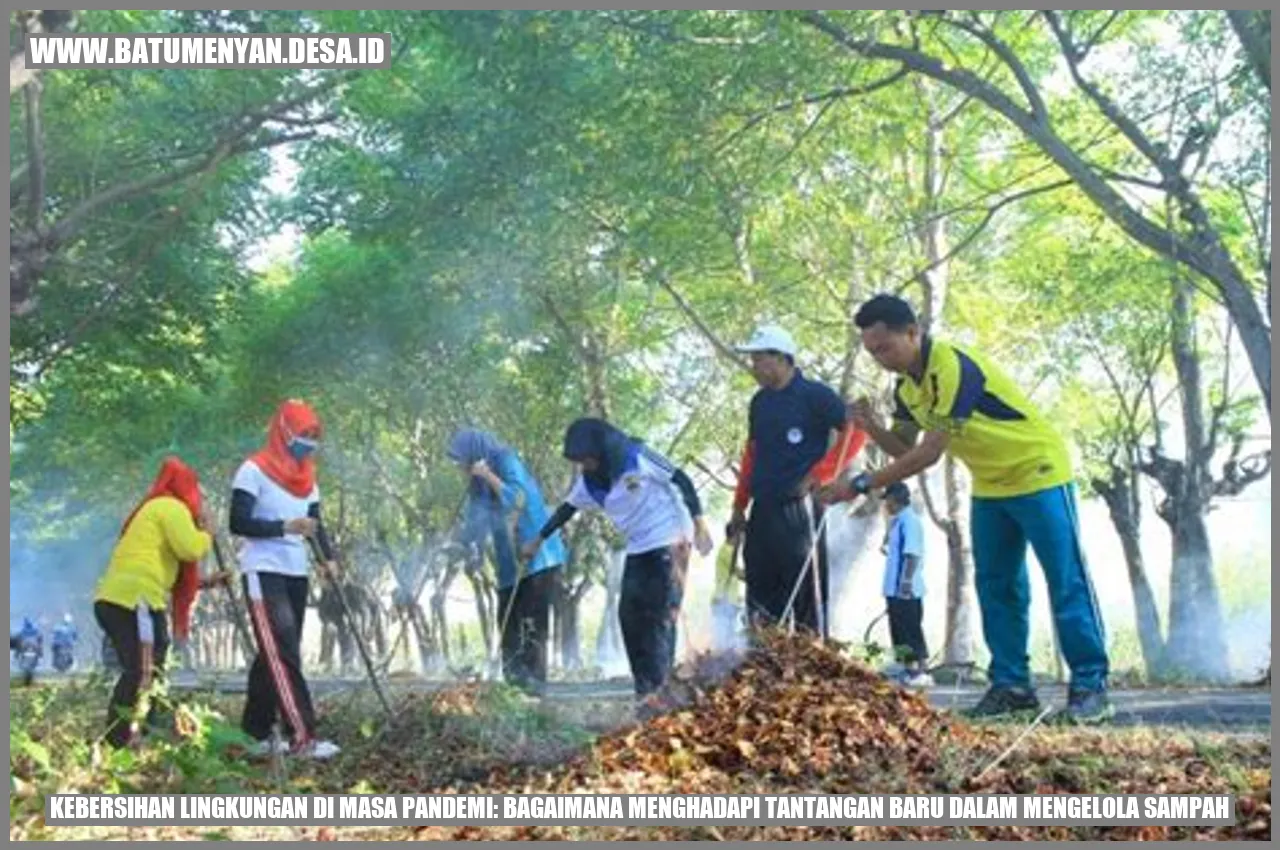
770	338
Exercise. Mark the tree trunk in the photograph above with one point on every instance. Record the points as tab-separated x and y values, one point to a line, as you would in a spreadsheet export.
958	645
1253	28
1197	642
1197	646
1121	496
489	617
571	645
935	282
33	22
556	653
440	621
326	646
565	632
428	653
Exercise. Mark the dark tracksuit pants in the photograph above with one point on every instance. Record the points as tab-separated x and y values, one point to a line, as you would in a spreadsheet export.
278	606
779	537
906	629
140	663
648	611
527	627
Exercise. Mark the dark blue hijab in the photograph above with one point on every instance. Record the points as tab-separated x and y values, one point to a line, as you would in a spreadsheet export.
597	439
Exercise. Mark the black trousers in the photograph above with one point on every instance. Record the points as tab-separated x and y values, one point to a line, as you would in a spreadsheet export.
527	628
141	664
277	688
648	610
779	537
906	630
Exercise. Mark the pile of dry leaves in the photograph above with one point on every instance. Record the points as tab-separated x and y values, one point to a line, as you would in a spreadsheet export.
796	716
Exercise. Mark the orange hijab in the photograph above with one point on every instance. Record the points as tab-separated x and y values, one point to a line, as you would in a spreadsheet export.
180	481
292	419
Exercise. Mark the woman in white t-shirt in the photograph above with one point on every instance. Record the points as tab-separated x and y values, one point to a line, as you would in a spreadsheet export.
656	508
275	507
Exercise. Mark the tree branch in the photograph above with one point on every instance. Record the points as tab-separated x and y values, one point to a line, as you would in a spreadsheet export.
1011	61
1131	131
562	322
668	33
19	74
1205	253
31	23
825	97
702	467
71	223
147	251
1220	409
1120	177
1253	28
1238	475
1092	41
35	157
1166	471
973	234
703	328
930	507
1122	398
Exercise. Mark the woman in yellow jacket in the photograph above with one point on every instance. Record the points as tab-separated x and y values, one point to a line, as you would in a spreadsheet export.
154	560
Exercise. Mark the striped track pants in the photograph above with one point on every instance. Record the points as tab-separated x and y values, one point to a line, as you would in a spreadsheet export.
277	607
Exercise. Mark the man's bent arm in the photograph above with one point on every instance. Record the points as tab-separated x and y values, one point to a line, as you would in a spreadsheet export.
914	461
895	441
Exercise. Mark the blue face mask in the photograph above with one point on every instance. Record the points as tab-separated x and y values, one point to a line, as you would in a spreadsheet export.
300	447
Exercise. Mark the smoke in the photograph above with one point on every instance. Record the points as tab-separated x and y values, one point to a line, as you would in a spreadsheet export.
610	655
57	552
727	628
1248	657
855	580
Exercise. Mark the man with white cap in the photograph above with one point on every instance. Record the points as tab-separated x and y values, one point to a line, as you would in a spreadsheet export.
797	440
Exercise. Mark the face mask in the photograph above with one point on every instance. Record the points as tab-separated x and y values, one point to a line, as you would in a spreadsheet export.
300	447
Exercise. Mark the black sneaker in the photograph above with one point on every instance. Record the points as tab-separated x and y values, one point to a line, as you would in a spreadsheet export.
1004	701
1087	706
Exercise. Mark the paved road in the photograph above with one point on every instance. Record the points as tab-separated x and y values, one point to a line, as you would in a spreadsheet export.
1239	708
1227	709
1235	709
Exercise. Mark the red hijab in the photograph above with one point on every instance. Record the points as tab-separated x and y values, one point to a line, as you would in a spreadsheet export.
294	418
179	481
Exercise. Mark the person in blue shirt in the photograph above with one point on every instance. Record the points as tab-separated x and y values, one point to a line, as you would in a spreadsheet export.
64	634
904	584
505	505
64	643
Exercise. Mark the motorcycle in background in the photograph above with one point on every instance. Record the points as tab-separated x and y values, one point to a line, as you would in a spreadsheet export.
29	652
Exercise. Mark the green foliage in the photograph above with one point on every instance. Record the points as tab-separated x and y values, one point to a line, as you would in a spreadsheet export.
55	747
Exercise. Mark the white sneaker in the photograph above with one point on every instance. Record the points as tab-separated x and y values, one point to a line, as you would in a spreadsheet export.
894	672
268	746
320	750
917	680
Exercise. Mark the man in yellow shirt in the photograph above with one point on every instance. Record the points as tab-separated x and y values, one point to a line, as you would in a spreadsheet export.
1023	492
